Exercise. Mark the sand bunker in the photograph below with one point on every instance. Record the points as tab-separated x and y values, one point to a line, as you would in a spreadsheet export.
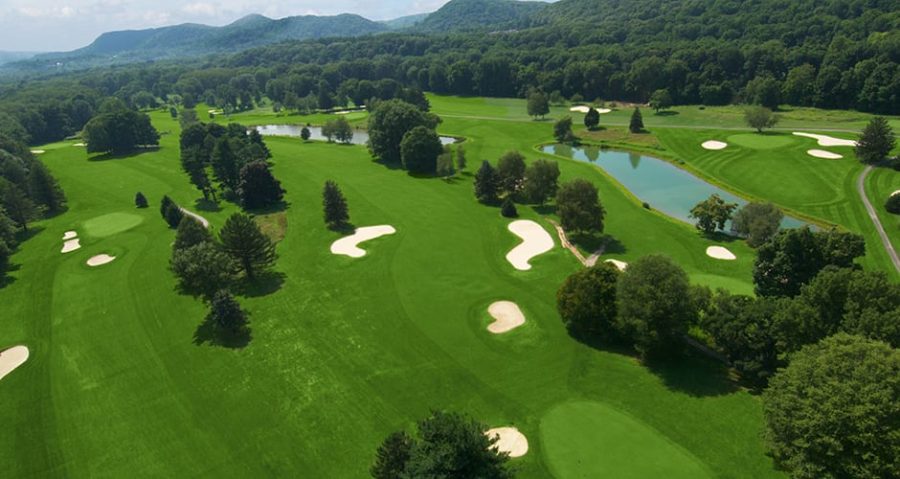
70	235
71	245
347	245
100	260
11	359
618	264
510	440
714	145
825	140
197	217
585	109
535	241
507	316
342	112
37	152
719	252
79	144
895	193
824	154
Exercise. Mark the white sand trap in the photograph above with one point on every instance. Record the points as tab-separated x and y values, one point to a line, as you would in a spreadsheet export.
100	260
11	359
79	144
197	217
603	111
719	252
895	193
825	140
342	112
535	241
507	316
618	264
510	440
585	109
38	152
824	154
70	235
71	245
348	244
714	145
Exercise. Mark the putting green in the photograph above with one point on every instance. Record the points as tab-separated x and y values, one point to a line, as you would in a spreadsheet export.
591	439
758	141
108	225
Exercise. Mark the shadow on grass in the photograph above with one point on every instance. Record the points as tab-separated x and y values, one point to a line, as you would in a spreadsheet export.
612	245
263	285
208	333
25	235
122	156
343	228
694	375
667	113
206	205
544	210
275	208
588	241
721	237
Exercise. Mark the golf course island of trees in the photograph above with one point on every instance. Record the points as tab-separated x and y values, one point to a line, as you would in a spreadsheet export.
505	239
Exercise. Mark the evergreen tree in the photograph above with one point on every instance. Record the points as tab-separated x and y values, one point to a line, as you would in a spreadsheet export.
173	215
562	130
164	205
334	205
592	119
226	315
305	134
245	242
256	138
486	183
460	158
44	189
508	208
194	164
190	233
392	456
637	121
226	164
258	188
876	142
140	200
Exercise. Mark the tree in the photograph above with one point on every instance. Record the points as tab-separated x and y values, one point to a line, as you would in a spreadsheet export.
760	117
19	207
44	189
202	268
712	213
173	215
193	162
795	256
389	123
119	132
486	183
511	171
460	158
419	150
226	164
654	305
758	222
258	188
636	125
140	200
243	240
448	445
876	142
538	104
591	118
541	181
7	230
445	164
578	206
892	205
833	411
164	205
392	456
305	134
226	315
587	301
338	129
660	100
334	205
508	208
190	232
562	130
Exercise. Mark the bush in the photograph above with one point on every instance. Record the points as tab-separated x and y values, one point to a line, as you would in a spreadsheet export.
508	208
140	200
893	204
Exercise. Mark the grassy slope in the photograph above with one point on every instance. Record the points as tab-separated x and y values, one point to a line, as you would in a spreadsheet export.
346	350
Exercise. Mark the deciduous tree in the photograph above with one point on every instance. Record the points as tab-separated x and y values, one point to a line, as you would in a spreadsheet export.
587	302
578	206
419	150
712	213
541	181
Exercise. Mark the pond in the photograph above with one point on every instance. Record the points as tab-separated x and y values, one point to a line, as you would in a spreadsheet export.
663	185
360	137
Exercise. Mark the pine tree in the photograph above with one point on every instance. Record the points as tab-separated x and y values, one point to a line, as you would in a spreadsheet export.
245	242
140	200
592	118
334	205
637	121
258	187
44	188
876	142
193	163
508	208
226	164
173	215
225	313
164	205
190	233
486	183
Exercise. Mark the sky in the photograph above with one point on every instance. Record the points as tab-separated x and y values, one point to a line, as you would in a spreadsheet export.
63	25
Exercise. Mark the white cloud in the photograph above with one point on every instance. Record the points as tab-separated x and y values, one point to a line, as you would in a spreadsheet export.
200	8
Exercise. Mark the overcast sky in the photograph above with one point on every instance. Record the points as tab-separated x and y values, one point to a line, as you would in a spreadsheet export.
62	25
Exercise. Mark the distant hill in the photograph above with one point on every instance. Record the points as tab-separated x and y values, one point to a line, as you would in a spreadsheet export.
405	22
8	57
193	40
460	15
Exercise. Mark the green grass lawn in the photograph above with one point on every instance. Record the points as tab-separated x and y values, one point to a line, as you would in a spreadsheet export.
343	350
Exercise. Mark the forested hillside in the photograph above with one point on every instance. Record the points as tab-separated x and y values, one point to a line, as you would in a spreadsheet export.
459	15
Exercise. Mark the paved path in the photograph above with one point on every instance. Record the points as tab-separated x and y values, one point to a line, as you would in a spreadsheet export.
197	217
861	189
564	240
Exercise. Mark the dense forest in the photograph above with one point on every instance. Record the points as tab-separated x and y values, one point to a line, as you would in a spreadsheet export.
834	54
